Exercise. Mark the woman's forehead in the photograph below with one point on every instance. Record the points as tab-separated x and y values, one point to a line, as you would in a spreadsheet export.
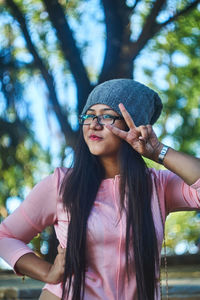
100	107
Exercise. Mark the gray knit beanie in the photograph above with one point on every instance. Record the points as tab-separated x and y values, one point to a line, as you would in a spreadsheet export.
143	104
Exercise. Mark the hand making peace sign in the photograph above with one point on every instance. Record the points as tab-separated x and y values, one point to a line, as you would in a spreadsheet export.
143	138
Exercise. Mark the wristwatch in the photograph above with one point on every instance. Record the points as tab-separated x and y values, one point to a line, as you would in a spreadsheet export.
162	154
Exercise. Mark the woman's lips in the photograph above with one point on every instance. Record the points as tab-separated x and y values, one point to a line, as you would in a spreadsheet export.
94	137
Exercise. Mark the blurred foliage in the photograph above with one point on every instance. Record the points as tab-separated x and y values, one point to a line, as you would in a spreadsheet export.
171	66
17	168
21	156
177	56
183	233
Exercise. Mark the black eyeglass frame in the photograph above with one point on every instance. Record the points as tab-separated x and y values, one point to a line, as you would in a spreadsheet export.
99	118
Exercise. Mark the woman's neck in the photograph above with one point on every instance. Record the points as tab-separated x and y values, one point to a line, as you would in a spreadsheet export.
111	167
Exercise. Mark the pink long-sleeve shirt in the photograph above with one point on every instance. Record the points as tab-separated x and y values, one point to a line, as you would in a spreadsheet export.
106	276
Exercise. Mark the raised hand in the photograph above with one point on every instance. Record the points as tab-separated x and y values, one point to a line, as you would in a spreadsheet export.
143	139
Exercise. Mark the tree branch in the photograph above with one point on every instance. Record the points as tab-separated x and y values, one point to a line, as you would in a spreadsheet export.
70	50
177	15
117	20
69	134
151	27
148	30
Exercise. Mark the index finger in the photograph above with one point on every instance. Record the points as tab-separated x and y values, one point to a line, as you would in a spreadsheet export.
127	117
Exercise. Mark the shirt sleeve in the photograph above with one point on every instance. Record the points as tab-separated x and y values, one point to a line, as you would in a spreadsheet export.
35	213
179	195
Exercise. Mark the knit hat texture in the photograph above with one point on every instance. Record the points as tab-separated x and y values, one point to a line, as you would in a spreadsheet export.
143	104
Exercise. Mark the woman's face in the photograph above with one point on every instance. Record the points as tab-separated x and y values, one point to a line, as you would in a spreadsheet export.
100	140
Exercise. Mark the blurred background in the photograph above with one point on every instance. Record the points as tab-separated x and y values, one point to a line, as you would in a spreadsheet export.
53	52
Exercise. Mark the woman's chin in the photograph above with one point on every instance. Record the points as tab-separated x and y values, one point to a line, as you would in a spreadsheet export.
97	151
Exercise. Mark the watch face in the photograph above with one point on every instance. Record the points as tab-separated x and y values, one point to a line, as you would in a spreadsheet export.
162	154
164	150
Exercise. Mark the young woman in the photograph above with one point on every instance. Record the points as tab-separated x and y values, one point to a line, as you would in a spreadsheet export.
109	209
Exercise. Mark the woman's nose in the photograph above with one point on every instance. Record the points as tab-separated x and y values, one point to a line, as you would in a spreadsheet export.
95	124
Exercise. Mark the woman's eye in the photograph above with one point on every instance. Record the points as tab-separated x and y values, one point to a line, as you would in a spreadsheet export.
89	117
108	117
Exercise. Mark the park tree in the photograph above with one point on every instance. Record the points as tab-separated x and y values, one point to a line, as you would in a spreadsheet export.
177	57
48	31
59	45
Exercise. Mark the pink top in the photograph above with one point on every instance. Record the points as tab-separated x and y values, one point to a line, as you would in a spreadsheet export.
106	275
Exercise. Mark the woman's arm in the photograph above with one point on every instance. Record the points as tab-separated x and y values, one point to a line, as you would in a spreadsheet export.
144	140
36	212
185	166
35	267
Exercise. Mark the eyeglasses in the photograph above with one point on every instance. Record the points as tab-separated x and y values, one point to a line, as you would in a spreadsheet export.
101	119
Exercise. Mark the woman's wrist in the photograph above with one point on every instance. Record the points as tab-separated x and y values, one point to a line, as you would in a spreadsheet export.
162	154
159	153
156	152
33	266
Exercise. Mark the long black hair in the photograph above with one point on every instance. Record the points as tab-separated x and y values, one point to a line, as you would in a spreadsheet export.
79	189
